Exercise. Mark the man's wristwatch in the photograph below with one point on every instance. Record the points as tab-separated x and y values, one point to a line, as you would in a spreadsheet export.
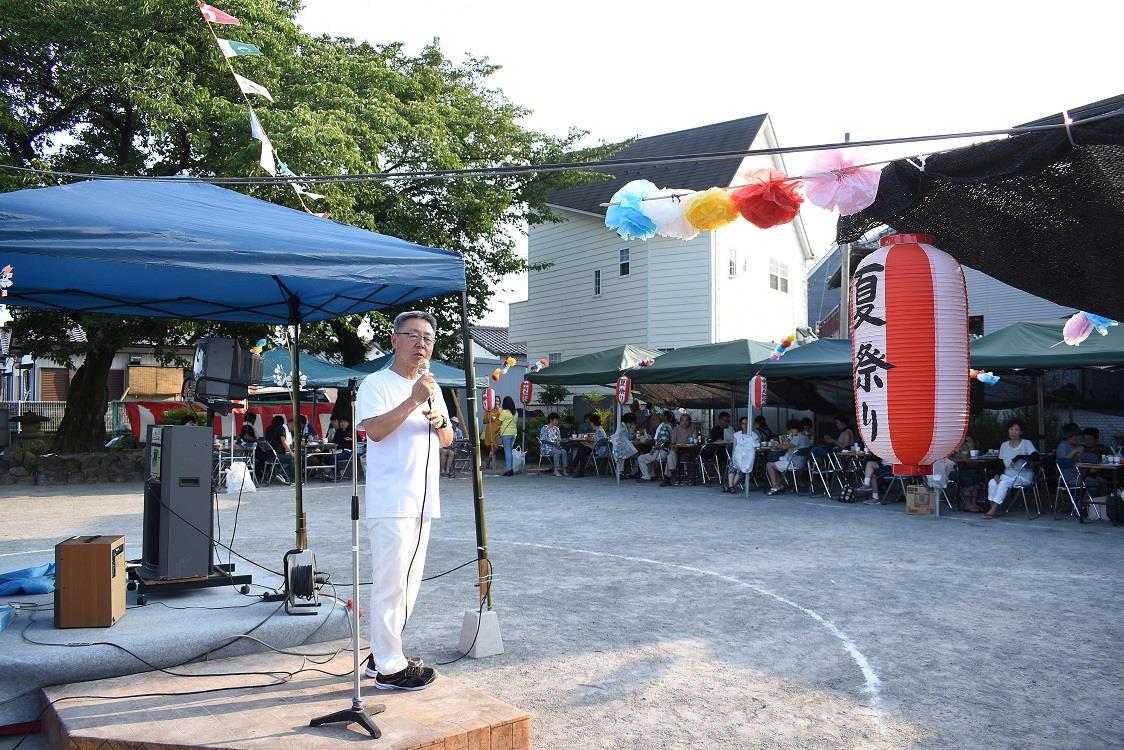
444	423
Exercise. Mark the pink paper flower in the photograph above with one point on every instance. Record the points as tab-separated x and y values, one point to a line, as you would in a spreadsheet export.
833	181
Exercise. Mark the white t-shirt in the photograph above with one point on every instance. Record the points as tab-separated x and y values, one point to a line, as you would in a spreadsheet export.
397	481
1008	454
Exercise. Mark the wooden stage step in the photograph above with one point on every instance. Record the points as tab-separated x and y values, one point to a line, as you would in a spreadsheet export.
446	716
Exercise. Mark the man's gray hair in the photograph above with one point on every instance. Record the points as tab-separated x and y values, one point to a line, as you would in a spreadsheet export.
410	315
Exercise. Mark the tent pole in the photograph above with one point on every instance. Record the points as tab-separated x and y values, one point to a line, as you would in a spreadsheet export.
473	425
298	464
1040	387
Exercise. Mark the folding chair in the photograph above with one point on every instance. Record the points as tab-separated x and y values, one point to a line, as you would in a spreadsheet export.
1034	465
1073	493
271	464
462	456
804	453
343	467
708	459
821	467
601	446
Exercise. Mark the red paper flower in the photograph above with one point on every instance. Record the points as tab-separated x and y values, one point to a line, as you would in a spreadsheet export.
769	198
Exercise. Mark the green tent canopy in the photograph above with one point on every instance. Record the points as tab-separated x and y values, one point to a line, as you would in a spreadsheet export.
446	375
1038	345
724	362
822	358
598	368
316	372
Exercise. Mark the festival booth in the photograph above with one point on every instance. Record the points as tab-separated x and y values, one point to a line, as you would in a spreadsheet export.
598	368
181	249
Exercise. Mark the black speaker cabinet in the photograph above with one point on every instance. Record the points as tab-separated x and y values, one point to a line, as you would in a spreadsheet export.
178	514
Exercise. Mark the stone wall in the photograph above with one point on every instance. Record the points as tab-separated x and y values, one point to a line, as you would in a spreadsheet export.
29	467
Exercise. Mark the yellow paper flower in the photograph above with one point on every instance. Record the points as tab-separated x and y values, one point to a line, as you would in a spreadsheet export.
710	209
510	361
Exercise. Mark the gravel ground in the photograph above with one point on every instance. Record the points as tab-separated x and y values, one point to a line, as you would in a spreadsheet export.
647	617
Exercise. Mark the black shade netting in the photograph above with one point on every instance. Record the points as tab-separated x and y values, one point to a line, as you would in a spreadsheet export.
1032	210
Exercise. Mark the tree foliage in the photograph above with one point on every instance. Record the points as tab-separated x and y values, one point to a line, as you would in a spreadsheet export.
140	87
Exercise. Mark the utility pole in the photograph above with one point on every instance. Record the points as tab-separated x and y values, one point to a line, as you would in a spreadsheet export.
845	281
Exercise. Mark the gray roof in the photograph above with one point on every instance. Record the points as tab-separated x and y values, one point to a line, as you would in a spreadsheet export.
735	135
494	339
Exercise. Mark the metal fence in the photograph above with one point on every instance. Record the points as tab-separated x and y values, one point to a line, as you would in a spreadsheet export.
52	410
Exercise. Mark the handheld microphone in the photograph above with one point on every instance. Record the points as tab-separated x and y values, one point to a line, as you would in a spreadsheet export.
423	370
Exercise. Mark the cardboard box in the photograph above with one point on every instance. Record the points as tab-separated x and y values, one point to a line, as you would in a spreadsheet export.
89	581
920	500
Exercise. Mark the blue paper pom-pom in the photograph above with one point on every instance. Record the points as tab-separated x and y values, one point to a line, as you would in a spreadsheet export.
624	215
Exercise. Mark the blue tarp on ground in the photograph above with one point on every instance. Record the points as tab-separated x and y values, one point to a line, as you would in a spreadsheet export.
191	250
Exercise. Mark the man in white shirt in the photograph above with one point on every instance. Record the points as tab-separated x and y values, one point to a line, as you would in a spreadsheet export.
407	425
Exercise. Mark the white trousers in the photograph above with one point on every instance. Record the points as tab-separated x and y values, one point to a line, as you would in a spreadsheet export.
393	541
645	462
997	489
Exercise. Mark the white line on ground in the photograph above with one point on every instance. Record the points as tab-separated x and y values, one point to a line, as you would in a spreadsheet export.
872	683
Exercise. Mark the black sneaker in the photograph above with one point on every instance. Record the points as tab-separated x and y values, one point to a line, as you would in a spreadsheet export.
410	678
372	671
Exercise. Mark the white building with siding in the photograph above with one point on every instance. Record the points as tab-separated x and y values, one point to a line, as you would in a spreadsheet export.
599	291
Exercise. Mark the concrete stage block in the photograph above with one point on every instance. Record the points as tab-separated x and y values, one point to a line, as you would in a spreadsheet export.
483	642
446	716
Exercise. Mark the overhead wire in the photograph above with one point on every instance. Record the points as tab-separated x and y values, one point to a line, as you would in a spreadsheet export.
551	167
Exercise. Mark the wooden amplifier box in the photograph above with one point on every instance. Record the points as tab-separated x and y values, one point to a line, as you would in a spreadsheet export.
89	581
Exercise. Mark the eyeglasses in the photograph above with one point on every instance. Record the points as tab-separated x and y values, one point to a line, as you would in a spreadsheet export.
417	338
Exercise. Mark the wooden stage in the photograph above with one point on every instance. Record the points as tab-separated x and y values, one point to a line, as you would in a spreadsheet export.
446	716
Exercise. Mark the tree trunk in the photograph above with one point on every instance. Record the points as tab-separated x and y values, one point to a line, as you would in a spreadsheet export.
83	425
352	348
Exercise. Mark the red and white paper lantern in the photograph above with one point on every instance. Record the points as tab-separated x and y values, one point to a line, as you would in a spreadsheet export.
525	391
489	399
624	389
758	391
909	339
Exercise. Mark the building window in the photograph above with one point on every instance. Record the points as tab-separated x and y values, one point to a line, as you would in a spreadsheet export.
597	283
625	257
733	263
975	325
778	275
554	358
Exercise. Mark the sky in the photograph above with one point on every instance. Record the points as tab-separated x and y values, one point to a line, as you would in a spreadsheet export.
820	69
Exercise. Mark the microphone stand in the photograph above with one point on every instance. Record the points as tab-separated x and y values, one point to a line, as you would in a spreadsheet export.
357	713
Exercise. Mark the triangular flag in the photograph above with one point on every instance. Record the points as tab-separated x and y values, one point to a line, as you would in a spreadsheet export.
249	87
257	131
214	15
302	190
322	216
231	48
283	168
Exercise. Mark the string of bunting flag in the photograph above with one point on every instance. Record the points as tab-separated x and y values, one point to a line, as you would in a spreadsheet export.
231	48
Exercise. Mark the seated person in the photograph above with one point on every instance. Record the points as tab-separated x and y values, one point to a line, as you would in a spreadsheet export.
566	430
600	447
308	435
449	455
722	432
1068	455
550	444
248	435
681	434
742	457
623	449
586	426
873	473
761	427
775	469
275	436
1093	452
1014	452
333	425
660	443
968	478
845	437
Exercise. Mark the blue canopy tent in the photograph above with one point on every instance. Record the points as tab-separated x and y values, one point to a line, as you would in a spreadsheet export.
183	249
